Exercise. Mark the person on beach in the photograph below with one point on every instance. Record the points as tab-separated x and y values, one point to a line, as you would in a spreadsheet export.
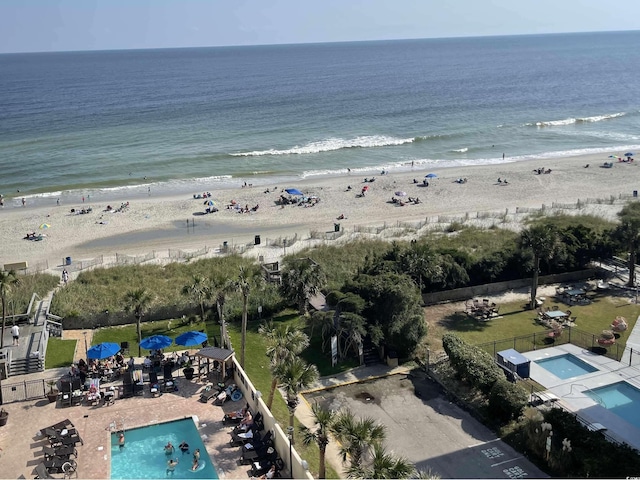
24	202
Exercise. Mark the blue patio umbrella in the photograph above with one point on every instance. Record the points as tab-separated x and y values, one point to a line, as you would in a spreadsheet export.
431	175
103	350
156	342
189	339
293	191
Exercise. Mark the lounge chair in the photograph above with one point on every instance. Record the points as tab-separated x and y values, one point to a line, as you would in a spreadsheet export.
93	395
42	472
64	451
109	396
250	436
127	385
154	385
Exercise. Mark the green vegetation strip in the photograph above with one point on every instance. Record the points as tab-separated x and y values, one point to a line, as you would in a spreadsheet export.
59	353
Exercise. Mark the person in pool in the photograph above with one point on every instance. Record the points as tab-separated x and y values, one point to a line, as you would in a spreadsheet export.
196	459
169	449
171	466
121	440
184	447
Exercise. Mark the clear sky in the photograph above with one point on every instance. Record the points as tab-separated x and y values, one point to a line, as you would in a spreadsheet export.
59	25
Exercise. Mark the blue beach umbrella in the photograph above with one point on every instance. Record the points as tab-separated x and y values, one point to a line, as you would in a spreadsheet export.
293	191
189	339
431	175
156	342
103	350
628	154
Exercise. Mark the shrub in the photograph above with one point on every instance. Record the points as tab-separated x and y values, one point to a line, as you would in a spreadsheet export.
507	400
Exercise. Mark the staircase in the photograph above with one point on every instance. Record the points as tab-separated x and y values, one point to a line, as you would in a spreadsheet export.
22	366
370	352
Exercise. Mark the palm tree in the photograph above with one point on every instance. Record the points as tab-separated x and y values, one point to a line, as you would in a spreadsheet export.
198	291
294	376
356	436
302	278
541	239
383	465
137	301
8	279
243	285
628	233
323	420
283	343
221	285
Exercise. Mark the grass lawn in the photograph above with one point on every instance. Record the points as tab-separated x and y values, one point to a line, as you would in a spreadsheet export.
127	333
59	353
516	321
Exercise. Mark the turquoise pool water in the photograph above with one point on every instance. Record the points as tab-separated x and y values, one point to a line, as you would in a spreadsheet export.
143	455
620	398
566	366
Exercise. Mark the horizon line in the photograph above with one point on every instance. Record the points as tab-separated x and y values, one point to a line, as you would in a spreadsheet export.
314	43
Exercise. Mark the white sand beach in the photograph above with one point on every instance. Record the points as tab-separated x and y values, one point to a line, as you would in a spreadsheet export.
160	223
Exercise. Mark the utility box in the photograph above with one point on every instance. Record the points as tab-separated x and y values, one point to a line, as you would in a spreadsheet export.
514	362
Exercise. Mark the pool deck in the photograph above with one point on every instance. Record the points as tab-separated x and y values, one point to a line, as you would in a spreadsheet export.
570	391
22	445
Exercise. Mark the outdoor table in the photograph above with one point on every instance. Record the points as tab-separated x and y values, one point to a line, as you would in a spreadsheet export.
556	314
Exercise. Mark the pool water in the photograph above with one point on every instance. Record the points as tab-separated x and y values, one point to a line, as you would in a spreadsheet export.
620	398
143	455
566	366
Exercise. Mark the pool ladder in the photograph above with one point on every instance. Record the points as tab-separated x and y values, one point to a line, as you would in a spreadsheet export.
597	397
117	425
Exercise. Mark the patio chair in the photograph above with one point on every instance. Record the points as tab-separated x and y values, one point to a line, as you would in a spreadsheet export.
127	385
124	348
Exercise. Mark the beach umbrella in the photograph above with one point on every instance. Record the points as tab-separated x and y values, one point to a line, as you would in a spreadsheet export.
103	350
293	191
44	226
431	175
628	154
189	339
613	156
211	203
156	342
401	194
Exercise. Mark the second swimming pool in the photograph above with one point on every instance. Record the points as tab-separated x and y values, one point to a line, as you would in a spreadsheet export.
620	398
566	366
143	455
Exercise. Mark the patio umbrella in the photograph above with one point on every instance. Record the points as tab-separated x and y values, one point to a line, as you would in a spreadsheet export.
44	226
189	339
401	194
293	191
156	342
431	175
103	350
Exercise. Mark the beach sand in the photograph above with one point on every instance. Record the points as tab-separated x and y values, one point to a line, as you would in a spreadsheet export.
160	223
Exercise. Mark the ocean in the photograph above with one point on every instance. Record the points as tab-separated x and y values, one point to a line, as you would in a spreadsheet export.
114	124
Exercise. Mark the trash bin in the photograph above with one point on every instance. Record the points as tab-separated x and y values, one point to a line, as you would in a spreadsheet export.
336	227
635	194
67	261
257	240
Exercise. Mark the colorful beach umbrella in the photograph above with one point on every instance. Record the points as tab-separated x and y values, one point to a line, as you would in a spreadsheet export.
44	226
613	156
156	342
190	339
103	350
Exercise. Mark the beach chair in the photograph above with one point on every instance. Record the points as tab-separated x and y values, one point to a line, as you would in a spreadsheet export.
138	382
127	385
168	383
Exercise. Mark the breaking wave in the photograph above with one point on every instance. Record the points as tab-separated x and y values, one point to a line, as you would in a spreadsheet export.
571	121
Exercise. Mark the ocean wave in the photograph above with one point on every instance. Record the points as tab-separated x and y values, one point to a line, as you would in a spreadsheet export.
461	150
331	144
571	121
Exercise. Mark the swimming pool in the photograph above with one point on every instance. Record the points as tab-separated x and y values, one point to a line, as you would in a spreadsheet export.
566	366
620	398
143	455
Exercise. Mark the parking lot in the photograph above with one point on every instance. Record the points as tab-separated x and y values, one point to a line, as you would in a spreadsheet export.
429	430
